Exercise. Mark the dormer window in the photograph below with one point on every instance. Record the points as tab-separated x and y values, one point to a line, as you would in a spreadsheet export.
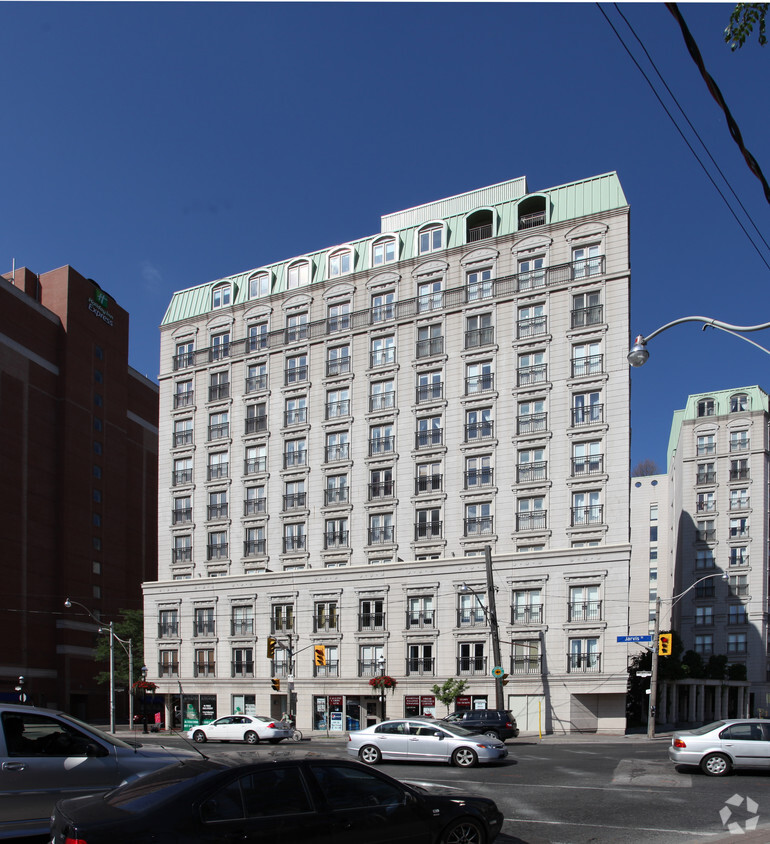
706	407
339	263
383	251
739	402
259	285
431	238
298	275
220	296
478	226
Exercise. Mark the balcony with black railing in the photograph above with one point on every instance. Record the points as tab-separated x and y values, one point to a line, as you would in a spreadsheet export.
705	535
420	619
740	473
168	630
532	472
477	233
254	506
381	535
280	667
589	415
429	392
592	315
706	478
204	629
536	520
282	624
471	665
185	399
331	669
527	376
217	471
256	384
740	503
336	495
588	365
183	438
216	511
181	515
383	489
340	366
256	424
421	666
254	547
327	622
219	431
382	445
295	501
371	621
429	348
292	459
254	465
336	409
217	551
428	483
475	431
475	478
241	669
168	669
241	626
183	361
531	423
382	357
527	664
529	221
296	333
477	384
429	439
294	375
334	453
705	506
593	514
532	614
336	539
339	323
533	327
382	401
181	555
584	663
218	392
428	530
584	611
591	464
478	337
480	526
220	351
370	667
292	544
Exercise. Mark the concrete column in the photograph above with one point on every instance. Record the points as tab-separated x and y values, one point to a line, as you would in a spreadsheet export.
691	712
674	714
662	716
726	703
741	702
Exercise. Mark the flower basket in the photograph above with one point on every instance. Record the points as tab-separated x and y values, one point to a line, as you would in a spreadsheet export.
141	686
383	682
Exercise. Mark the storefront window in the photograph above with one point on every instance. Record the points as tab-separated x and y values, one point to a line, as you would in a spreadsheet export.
245	704
420	705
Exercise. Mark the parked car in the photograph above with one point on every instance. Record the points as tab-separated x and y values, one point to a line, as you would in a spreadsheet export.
46	755
498	723
424	740
249	728
289	801
723	745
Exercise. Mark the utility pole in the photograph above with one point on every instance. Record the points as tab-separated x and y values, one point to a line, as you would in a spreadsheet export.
654	675
494	629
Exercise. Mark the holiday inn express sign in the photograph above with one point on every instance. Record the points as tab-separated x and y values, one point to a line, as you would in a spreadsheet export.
98	304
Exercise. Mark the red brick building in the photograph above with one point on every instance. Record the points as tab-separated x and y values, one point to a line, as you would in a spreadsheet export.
78	479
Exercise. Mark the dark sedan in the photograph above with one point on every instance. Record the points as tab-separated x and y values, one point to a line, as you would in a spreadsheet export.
286	801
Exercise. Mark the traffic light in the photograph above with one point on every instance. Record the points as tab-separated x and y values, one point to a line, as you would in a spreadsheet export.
664	644
319	655
276	684
271	643
504	680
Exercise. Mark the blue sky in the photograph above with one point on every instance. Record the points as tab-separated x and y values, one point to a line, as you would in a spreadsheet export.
155	146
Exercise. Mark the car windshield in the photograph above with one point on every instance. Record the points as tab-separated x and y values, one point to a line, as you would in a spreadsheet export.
707	728
461	732
154	788
114	740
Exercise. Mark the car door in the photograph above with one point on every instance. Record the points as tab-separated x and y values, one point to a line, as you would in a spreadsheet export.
222	729
427	743
272	805
364	807
48	760
392	739
747	744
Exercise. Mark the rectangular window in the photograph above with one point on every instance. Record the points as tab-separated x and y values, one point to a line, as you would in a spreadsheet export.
532	369
337	403
531	273
586	261
429	295
527	606
478	285
586	309
383	306
382	395
531	321
383	351
338	317
586	359
256	377
384	251
337	360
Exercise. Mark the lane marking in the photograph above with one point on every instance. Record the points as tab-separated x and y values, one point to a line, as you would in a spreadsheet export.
611	826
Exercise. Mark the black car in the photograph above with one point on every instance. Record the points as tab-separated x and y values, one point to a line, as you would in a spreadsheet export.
497	723
286	800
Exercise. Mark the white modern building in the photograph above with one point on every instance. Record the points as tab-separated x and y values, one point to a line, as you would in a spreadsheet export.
344	433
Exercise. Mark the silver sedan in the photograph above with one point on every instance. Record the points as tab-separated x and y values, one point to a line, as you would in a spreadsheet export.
723	745
423	741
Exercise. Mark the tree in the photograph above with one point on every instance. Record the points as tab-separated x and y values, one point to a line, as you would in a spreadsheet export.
130	626
447	692
741	25
644	468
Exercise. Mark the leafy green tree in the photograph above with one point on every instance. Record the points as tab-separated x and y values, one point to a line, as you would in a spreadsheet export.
742	21
129	626
449	690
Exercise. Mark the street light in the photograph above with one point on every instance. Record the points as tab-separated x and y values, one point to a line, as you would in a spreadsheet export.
129	653
638	355
68	604
382	685
655	642
145	669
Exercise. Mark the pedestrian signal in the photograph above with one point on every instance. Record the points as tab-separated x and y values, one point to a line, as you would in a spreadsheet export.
270	647
276	684
664	644
319	655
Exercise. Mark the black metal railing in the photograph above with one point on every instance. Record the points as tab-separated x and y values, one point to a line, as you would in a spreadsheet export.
430	347
584	611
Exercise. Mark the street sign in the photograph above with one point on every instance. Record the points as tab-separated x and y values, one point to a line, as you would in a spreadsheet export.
634	638
497	671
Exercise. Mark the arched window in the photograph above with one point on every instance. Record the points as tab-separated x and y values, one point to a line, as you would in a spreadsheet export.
479	226
259	285
531	212
431	238
220	296
340	263
383	251
298	275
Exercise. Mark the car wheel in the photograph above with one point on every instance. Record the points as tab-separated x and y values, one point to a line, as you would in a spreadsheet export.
464	757
463	831
716	765
491	734
251	737
199	736
370	754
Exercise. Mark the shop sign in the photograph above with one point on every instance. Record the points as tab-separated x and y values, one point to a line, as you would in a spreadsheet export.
335	719
98	306
411	700
335	700
463	702
427	700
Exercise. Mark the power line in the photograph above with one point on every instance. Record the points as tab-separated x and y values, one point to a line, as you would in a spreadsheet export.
684	138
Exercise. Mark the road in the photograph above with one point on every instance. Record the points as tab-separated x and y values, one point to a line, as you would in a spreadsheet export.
595	791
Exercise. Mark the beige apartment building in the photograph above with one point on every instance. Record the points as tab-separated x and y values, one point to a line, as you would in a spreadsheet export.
344	433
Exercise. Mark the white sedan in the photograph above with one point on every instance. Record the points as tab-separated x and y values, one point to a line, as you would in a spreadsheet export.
424	741
249	728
